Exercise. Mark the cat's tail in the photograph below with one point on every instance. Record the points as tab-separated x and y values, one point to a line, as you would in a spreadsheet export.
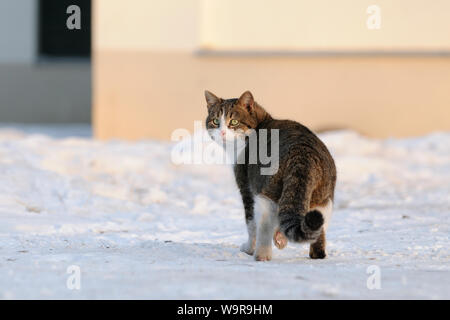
298	227
297	221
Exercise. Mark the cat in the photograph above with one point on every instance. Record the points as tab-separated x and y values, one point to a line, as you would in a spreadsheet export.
295	202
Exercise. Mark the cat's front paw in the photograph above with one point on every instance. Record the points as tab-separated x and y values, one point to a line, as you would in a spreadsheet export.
317	254
247	248
263	254
279	240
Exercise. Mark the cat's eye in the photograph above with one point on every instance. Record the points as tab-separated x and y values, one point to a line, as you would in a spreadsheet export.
234	122
216	121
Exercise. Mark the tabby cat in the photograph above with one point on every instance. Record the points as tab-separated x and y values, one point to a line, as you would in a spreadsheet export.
295	202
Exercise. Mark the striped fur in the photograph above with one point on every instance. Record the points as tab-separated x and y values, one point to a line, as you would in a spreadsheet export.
302	190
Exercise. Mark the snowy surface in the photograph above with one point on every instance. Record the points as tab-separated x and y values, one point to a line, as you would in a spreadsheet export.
139	226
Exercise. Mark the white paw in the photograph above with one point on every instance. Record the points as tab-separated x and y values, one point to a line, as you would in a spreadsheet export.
247	248
263	253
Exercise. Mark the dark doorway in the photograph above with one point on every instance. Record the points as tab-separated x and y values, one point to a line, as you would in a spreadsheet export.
55	39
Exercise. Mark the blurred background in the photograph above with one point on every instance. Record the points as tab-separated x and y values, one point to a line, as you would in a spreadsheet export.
138	69
45	68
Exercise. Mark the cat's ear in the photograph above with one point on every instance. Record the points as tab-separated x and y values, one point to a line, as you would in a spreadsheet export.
246	100
211	98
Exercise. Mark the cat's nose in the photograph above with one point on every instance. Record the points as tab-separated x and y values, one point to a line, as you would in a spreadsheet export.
222	133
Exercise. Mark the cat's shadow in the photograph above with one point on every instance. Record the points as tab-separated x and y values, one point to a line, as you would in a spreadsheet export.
222	253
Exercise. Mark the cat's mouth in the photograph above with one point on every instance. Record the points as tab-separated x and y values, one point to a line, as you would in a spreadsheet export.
228	139
224	141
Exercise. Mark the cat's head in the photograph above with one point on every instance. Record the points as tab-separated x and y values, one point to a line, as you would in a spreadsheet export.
232	119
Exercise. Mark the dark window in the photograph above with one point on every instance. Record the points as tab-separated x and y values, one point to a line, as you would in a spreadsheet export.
55	39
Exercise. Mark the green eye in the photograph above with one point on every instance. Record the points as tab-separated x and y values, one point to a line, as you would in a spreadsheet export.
216	121
234	122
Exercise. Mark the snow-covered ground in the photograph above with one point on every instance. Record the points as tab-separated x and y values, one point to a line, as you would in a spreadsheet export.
139	226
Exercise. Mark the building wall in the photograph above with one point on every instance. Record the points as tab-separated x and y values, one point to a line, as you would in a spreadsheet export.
146	25
273	25
45	92
33	91
153	60
18	31
324	25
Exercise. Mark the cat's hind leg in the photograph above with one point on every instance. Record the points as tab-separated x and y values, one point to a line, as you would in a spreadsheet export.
317	249
266	222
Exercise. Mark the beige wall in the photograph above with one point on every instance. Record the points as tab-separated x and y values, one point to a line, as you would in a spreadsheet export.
141	95
148	80
324	25
145	24
270	25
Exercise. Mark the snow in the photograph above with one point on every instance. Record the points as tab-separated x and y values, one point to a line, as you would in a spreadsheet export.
140	226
